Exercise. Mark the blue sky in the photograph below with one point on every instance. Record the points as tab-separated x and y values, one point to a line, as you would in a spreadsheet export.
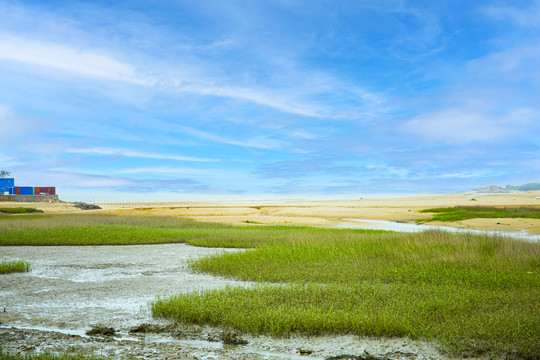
252	98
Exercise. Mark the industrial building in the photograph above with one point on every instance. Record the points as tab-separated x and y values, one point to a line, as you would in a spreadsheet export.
7	187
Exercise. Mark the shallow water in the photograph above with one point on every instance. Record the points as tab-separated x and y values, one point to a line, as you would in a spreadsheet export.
406	227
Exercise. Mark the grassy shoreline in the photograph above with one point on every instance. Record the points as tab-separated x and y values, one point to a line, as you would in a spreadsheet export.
459	213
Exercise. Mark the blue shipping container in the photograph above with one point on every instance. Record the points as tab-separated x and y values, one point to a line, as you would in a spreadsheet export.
7	185
26	190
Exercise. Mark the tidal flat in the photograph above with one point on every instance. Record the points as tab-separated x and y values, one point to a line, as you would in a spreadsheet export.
432	294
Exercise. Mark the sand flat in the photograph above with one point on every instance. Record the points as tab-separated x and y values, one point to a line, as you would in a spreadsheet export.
325	213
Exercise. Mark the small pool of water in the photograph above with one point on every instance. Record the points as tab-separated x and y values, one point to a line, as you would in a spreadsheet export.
406	227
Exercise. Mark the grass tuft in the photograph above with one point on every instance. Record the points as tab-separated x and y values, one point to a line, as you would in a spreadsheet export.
7	267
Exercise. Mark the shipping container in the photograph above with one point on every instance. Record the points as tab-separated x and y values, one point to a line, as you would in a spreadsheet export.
6	185
24	190
50	190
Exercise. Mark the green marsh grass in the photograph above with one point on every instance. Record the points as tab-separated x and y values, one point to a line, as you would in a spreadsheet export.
20	210
468	292
4	355
8	267
100	229
472	212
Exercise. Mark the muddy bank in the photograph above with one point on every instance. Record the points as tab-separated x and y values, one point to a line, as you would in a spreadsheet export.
71	289
207	344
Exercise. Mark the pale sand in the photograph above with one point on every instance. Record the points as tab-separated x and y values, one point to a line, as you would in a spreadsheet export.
326	213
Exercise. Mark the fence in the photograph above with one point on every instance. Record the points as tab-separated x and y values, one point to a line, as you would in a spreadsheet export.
151	203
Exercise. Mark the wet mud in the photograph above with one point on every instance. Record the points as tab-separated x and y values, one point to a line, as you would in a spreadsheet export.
72	290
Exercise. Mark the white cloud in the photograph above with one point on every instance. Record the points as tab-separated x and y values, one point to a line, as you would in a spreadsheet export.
62	177
300	93
523	16
257	143
7	161
68	58
520	63
135	154
471	122
465	174
214	173
15	125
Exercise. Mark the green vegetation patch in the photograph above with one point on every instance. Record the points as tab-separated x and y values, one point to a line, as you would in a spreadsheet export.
472	212
4	355
7	267
88	229
20	210
101	229
472	294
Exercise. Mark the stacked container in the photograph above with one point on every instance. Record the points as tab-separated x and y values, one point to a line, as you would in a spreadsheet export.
50	190
24	190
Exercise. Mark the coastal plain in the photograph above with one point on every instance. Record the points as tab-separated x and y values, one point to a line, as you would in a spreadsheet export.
464	287
328	213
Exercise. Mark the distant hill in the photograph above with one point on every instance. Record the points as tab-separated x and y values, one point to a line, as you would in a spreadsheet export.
491	189
508	188
526	187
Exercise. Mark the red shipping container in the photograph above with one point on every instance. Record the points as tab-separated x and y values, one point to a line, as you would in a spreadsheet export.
51	190
17	190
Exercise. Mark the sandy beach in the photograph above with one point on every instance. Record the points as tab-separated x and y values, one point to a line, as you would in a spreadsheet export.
326	213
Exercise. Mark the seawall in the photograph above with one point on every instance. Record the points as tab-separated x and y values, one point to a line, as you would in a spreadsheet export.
30	198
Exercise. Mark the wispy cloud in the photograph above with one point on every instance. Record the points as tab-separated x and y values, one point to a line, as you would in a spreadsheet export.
527	16
68	58
135	154
470	122
174	171
515	65
99	64
16	125
257	142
